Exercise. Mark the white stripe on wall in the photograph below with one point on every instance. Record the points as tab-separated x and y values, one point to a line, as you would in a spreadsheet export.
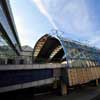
27	85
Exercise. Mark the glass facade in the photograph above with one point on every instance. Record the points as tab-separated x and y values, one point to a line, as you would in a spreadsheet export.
9	42
79	55
5	49
73	53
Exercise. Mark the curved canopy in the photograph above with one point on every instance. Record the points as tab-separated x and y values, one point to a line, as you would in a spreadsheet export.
55	49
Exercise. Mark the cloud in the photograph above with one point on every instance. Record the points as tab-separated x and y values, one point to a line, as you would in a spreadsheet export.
94	39
72	16
25	34
43	10
20	28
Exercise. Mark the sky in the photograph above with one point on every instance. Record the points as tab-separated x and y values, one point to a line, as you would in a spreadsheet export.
78	19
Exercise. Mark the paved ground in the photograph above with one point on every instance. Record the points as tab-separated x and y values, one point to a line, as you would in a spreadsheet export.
96	98
86	93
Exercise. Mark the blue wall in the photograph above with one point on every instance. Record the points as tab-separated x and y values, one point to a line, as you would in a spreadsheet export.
13	77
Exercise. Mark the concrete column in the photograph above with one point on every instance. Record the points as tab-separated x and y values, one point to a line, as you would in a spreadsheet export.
6	60
55	84
16	61
64	89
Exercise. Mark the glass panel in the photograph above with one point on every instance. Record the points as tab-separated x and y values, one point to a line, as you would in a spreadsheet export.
80	55
5	50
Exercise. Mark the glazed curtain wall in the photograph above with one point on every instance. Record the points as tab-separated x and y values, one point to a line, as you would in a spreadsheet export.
79	55
5	50
62	50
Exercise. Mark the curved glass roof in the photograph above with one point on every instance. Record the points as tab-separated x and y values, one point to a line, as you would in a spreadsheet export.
56	49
